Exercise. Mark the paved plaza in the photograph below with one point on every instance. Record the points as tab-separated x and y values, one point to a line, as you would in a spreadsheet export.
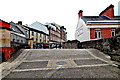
60	63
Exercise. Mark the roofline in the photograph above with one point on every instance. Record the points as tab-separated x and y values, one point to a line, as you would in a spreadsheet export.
111	6
4	21
38	31
13	24
89	16
38	22
99	16
35	30
102	24
6	28
105	21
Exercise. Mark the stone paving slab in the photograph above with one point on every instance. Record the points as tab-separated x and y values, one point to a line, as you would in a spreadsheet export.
31	65
89	62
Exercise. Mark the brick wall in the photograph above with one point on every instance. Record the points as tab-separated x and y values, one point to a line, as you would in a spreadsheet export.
92	33
105	32
109	11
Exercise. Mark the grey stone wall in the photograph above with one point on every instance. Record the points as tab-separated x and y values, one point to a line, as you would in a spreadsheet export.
74	44
110	46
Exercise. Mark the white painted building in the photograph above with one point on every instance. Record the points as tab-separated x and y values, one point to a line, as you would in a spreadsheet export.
82	31
97	27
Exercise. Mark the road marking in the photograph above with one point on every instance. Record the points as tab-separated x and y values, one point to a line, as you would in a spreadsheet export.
15	63
110	63
56	59
23	56
60	66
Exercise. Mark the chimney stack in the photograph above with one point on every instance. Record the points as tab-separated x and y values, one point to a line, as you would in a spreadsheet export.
80	13
109	11
19	22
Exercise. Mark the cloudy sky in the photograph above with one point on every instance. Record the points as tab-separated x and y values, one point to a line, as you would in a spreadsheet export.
62	12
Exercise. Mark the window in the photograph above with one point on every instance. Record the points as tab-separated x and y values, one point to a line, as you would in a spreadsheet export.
36	39
21	41
36	35
113	32
45	38
51	37
32	33
13	40
17	37
18	40
40	35
40	40
51	31
97	33
26	32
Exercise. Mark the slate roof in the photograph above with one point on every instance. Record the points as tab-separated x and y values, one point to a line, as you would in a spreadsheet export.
40	27
117	18
103	22
17	30
98	18
50	26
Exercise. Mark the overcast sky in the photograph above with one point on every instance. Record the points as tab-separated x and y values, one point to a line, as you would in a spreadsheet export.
62	12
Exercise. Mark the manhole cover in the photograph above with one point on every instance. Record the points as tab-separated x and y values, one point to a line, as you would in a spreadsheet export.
61	63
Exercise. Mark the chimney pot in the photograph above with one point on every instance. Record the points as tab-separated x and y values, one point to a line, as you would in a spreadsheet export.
80	13
19	22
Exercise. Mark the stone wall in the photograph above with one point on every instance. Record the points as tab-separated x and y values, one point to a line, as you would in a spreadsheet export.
110	46
74	44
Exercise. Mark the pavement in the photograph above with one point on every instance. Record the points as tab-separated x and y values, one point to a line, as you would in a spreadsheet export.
60	63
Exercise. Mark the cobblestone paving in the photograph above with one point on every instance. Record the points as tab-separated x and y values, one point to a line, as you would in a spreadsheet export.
81	63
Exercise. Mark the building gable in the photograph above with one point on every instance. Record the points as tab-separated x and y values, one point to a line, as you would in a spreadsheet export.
109	11
40	27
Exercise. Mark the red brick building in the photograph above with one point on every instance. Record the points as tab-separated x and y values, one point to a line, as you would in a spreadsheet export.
57	34
97	27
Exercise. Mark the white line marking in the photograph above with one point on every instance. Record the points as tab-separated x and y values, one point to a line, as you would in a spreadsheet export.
15	63
57	59
22	70
98	57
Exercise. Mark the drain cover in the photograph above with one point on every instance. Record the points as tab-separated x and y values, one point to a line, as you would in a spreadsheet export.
61	63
